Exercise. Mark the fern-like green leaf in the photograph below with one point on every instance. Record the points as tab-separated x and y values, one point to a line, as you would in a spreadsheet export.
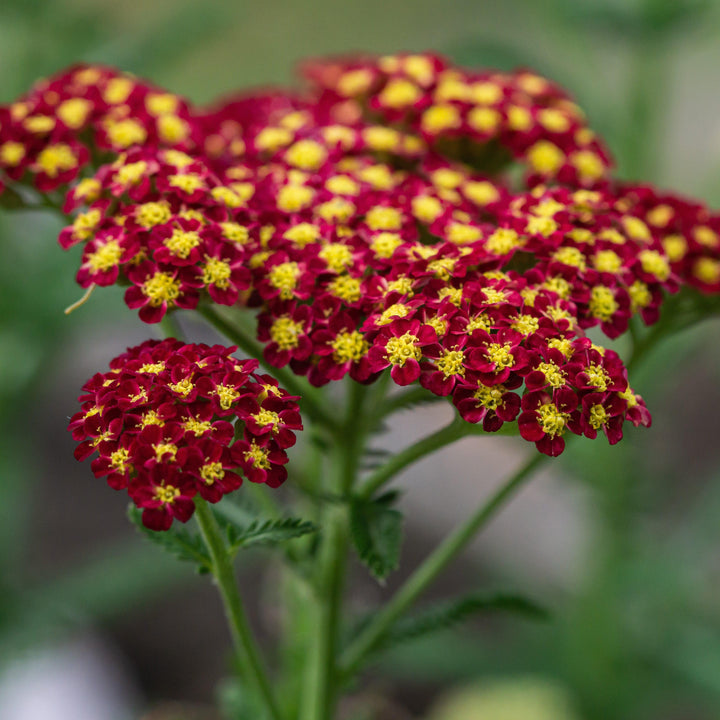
376	532
269	532
446	615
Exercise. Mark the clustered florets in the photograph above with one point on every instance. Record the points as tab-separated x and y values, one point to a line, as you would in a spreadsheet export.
377	223
170	421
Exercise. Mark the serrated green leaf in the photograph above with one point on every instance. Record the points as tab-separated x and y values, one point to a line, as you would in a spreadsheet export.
269	532
182	543
376	532
447	615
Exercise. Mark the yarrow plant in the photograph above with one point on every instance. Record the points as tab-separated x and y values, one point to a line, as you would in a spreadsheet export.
398	222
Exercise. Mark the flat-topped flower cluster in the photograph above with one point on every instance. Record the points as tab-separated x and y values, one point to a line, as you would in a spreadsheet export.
456	228
170	421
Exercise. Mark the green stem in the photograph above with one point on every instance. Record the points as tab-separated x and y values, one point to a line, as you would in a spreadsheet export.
292	383
171	327
431	568
321	683
445	436
242	636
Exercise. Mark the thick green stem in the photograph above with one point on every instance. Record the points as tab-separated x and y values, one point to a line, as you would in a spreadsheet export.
321	683
430	569
171	327
288	380
243	640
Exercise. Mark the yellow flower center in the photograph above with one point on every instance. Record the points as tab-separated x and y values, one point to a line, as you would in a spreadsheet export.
56	159
284	277
258	456
398	310
401	349
153	213
349	347
285	332
337	256
197	427
452	362
182	242
125	133
119	460
151	418
162	449
167	494
597	377
105	257
552	420
216	272
598	416
384	218
553	374
131	174
345	287
161	288
490	397
306	155
187	182
500	355
602	303
526	324
227	395
210	472
267	417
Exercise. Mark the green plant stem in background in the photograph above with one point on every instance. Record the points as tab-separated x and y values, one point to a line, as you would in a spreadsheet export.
321	685
243	640
171	327
292	383
436	562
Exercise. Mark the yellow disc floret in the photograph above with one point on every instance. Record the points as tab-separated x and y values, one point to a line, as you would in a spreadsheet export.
257	456
285	332
216	272
161	287
598	416
552	420
150	214
306	155
401	349
107	256
56	159
182	242
451	362
227	395
349	347
603	304
284	277
500	355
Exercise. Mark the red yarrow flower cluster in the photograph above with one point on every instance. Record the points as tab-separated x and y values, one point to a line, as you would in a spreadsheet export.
47	136
171	421
376	223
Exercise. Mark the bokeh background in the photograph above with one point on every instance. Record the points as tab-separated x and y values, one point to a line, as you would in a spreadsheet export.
622	544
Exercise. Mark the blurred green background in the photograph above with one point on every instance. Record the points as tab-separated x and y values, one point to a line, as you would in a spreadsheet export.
635	631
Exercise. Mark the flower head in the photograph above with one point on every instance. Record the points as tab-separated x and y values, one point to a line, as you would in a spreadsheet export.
169	421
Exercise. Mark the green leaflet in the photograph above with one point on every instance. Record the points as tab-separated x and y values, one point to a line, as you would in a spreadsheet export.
267	532
376	531
449	614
